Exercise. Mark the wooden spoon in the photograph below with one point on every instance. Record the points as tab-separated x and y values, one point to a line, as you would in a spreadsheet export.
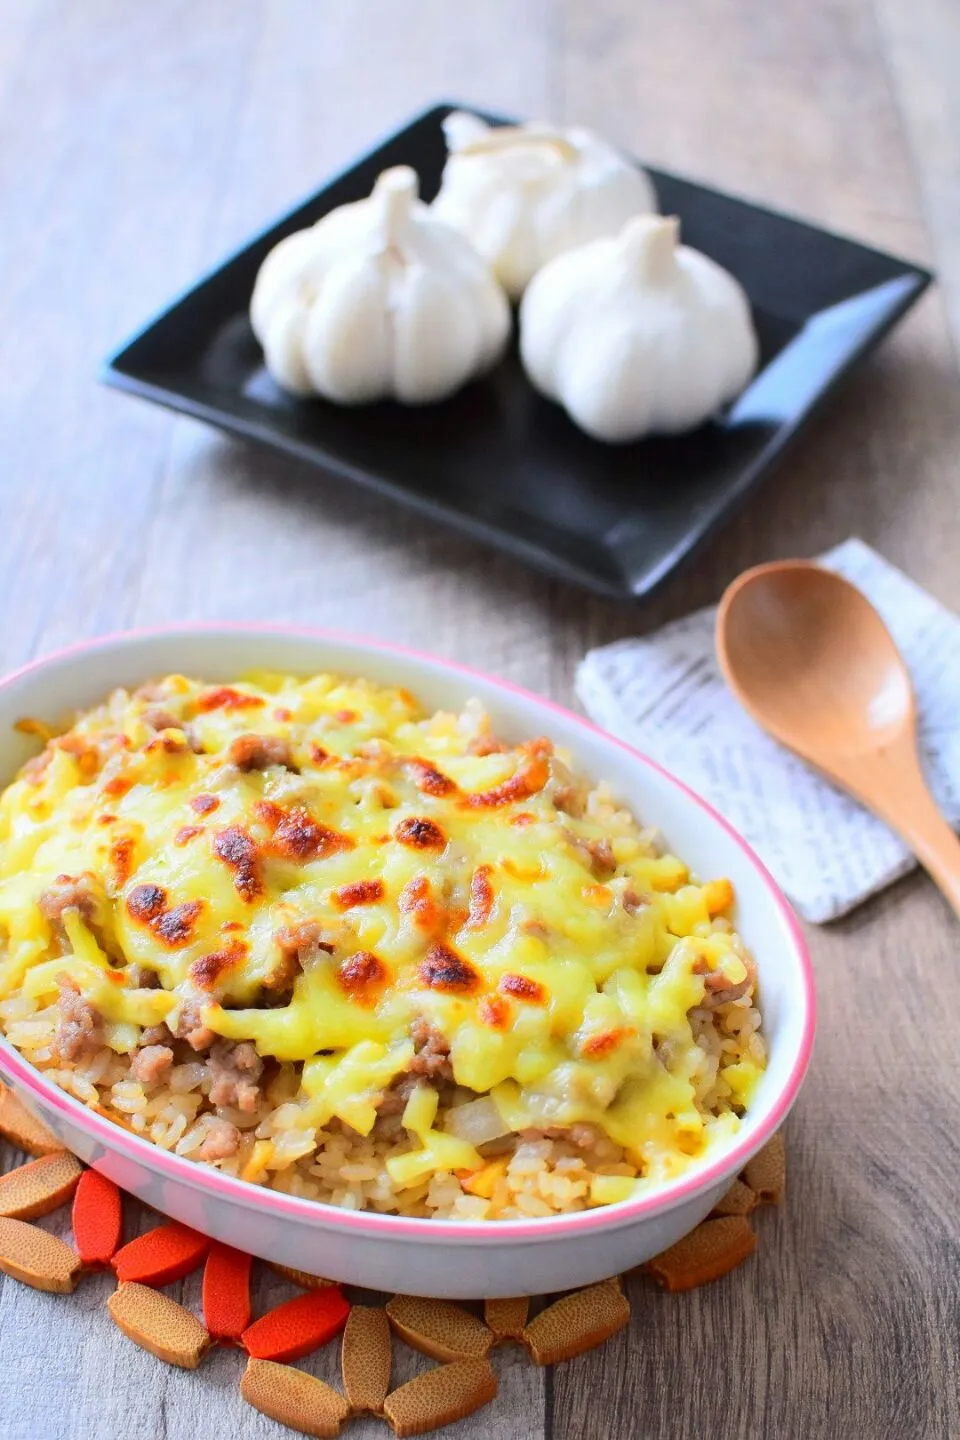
809	657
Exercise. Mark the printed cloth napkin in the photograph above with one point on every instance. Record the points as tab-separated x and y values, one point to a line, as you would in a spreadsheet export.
664	694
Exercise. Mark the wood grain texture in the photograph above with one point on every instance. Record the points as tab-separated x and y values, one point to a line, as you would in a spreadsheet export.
921	43
138	144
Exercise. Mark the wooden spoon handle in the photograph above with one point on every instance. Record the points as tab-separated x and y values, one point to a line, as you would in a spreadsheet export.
891	783
938	850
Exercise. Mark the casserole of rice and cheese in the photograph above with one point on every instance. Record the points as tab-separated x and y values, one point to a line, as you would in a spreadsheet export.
303	932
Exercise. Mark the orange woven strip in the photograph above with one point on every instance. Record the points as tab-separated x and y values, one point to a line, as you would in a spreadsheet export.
301	1325
161	1256
97	1219
226	1293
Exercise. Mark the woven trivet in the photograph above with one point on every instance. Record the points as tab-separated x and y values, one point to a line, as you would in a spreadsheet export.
454	1336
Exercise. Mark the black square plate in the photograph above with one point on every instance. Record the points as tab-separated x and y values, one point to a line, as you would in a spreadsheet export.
504	464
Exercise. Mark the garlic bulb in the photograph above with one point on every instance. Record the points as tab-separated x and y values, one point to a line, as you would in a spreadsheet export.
378	300
637	334
526	193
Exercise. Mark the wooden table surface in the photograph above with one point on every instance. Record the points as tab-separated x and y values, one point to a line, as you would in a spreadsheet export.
141	143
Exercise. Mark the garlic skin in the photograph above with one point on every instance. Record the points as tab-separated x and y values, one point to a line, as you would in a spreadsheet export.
378	300
637	335
524	194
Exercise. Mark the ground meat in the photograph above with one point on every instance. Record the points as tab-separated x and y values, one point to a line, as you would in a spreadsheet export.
80	1029
234	1074
582	1135
159	719
604	860
585	1136
307	940
141	977
432	1058
151	1064
430	1065
634	903
717	990
279	980
597	855
570	800
300	945
82	893
155	1035
257	752
222	1140
190	1026
394	1100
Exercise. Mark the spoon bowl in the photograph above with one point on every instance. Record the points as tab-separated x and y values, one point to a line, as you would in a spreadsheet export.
808	656
807	648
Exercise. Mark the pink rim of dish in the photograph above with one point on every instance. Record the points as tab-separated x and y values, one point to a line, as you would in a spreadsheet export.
666	1197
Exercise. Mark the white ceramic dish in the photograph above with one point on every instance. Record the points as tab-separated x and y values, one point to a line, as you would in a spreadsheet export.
427	1257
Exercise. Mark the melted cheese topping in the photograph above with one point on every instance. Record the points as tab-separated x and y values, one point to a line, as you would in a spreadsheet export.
444	880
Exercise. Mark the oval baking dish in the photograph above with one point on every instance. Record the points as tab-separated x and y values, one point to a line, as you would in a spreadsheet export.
412	1255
